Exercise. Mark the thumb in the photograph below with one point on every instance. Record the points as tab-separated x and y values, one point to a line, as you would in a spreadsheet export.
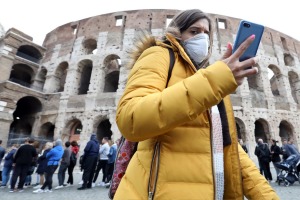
228	51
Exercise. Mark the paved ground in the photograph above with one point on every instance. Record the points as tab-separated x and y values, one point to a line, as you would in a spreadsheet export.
100	193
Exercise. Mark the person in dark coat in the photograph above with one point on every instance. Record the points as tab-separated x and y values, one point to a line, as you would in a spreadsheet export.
22	162
90	158
42	164
263	154
275	156
8	165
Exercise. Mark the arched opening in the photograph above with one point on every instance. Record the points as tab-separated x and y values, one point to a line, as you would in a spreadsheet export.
21	74
90	46
278	88
24	117
29	53
112	71
288	59
73	130
103	130
86	67
261	130
241	129
60	76
47	131
285	130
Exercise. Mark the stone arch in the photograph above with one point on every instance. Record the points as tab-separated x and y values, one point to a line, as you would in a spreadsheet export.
288	59
60	76
112	65
22	74
241	129
72	130
262	130
90	46
30	53
47	131
24	116
85	69
286	130
274	80
294	85
104	129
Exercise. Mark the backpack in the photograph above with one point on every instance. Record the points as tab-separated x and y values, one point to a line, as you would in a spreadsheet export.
126	149
264	153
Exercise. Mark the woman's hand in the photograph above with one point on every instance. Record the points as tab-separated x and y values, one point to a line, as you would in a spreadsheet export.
240	69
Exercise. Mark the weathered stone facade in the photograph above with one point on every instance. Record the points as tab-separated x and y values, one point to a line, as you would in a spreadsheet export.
70	86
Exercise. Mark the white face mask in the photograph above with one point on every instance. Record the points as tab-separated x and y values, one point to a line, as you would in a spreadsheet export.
197	47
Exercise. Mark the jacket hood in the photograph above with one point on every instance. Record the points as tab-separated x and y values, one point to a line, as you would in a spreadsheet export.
145	40
58	142
94	137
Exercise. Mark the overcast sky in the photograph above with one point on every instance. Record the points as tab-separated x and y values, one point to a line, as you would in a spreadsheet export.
38	17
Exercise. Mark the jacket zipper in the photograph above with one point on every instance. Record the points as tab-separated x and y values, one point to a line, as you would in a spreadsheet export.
212	150
154	171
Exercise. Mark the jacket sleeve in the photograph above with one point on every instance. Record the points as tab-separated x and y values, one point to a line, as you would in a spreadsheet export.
255	186
148	109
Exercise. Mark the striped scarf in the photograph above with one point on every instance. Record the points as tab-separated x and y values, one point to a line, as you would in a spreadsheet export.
218	154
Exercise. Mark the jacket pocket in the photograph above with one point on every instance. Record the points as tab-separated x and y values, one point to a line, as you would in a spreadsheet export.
154	171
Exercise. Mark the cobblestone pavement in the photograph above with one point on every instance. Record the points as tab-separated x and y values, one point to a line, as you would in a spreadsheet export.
99	193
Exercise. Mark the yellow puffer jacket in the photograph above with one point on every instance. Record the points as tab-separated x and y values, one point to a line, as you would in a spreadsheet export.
174	159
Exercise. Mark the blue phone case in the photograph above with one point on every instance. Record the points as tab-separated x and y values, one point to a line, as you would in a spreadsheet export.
246	29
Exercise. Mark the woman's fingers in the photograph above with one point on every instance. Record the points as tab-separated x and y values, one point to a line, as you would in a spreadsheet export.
243	47
249	63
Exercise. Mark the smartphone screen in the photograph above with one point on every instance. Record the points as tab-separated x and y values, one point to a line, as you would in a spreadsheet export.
246	29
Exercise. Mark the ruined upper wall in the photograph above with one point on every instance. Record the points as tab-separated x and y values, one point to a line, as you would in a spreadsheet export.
66	34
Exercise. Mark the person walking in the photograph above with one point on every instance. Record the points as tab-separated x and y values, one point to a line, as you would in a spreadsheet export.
8	165
111	161
90	157
102	163
263	154
53	157
275	156
190	120
73	161
22	162
64	164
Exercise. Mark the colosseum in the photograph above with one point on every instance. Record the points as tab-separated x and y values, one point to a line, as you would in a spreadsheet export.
69	87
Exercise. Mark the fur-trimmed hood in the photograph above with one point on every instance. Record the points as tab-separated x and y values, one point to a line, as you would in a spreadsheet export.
145	40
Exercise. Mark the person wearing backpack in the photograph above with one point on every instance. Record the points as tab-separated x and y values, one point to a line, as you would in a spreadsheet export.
187	140
263	154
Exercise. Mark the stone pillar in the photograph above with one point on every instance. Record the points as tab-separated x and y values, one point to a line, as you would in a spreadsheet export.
6	64
5	122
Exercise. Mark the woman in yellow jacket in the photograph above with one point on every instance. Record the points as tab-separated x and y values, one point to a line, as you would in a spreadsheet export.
188	146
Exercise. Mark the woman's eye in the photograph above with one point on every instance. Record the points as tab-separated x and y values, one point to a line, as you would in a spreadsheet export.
194	32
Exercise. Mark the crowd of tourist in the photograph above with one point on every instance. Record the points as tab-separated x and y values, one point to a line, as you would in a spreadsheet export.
21	163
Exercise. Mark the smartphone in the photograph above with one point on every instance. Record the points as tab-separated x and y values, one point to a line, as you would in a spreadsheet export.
246	29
